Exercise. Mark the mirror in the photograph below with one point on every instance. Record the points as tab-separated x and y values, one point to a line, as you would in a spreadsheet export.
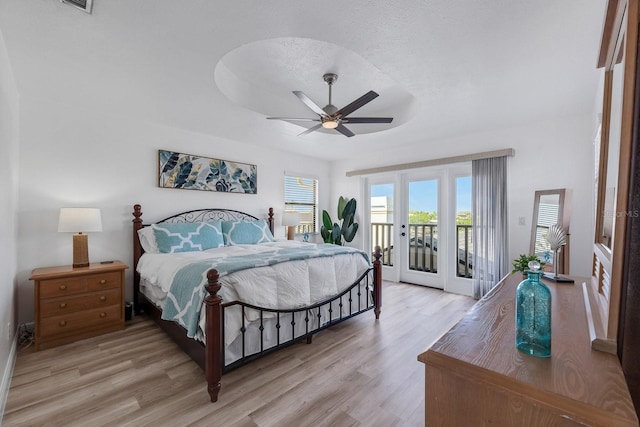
610	157
549	207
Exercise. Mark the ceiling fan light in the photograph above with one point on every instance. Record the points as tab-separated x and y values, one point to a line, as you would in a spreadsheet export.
330	124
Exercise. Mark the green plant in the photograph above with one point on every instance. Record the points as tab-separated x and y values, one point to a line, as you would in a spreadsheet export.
332	232
521	263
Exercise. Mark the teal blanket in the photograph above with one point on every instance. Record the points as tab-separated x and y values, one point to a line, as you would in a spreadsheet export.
186	294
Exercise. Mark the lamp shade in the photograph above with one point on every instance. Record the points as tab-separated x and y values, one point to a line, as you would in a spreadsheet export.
79	220
290	218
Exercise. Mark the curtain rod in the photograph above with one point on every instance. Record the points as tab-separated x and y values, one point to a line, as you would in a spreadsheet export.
435	162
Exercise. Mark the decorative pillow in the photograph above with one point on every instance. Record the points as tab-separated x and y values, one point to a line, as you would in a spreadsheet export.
246	232
188	237
148	240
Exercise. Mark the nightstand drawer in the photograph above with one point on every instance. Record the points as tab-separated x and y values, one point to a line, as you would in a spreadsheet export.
75	285
60	306
98	282
63	286
73	322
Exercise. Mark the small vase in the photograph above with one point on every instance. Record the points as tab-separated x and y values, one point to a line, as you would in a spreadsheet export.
533	314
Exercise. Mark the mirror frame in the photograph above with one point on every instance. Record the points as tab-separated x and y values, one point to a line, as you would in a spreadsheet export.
603	292
563	221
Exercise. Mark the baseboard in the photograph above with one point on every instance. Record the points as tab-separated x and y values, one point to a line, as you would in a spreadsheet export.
6	377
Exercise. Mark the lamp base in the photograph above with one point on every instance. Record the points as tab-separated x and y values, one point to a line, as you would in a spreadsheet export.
291	231
80	250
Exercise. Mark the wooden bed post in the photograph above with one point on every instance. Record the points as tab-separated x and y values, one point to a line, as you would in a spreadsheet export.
137	253
213	332
271	224
377	281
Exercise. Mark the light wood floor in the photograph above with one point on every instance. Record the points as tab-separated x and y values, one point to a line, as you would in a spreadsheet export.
358	373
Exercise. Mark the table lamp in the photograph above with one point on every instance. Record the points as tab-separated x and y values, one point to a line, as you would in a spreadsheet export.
80	220
290	219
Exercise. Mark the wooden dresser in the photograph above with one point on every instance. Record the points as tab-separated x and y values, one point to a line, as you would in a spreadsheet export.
474	375
76	303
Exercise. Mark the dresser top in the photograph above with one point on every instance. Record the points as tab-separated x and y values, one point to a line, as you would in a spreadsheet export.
482	345
67	270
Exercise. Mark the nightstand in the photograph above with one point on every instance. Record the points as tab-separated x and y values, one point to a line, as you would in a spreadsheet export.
76	303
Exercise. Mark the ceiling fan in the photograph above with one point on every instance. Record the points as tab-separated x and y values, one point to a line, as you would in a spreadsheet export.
330	117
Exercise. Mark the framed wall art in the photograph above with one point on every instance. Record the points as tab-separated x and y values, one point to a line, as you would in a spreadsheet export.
186	171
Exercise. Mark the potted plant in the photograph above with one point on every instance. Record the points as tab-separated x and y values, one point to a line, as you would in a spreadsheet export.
332	232
521	263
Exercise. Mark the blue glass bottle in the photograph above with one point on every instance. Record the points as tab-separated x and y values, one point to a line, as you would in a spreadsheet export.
533	314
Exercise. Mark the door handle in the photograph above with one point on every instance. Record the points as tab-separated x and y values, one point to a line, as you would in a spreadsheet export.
403	234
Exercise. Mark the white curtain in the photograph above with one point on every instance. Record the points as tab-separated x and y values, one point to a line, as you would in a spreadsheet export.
490	229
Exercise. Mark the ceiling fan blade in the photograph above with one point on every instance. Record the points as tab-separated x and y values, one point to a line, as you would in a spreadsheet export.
343	130
309	103
299	119
364	99
311	129
367	120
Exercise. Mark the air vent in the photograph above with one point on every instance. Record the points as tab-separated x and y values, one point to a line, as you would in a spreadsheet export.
84	5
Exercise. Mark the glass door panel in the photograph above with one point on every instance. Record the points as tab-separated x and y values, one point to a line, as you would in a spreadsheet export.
464	234
423	226
382	220
421	231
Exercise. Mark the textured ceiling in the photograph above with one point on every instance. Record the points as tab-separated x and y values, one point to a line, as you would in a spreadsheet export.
300	59
442	68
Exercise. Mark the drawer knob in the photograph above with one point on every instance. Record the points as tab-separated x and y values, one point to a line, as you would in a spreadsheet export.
63	287
63	305
62	323
103	314
103	298
103	281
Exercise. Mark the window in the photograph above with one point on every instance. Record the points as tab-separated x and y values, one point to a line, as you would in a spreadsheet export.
301	195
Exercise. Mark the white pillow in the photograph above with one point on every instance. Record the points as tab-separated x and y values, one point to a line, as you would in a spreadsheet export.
148	240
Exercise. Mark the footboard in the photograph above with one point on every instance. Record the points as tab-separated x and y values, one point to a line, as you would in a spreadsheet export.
308	320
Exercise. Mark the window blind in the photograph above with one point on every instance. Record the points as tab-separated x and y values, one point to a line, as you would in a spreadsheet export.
301	195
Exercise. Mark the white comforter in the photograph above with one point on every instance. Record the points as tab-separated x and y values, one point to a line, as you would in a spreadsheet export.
285	285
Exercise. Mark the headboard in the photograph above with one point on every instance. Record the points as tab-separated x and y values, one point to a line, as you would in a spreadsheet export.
198	215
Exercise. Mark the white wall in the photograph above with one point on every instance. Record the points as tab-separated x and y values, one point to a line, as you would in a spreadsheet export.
9	119
550	154
72	157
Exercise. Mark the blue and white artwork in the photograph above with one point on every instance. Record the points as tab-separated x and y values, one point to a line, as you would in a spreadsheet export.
179	170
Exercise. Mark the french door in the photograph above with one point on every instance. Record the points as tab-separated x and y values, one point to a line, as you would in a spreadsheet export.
422	237
422	222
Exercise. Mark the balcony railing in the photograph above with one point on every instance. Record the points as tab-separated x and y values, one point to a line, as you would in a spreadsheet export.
423	246
464	249
382	235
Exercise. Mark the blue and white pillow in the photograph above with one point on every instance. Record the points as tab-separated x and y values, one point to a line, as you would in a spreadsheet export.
246	232
188	237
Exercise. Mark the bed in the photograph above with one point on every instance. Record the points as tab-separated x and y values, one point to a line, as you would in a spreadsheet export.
227	292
